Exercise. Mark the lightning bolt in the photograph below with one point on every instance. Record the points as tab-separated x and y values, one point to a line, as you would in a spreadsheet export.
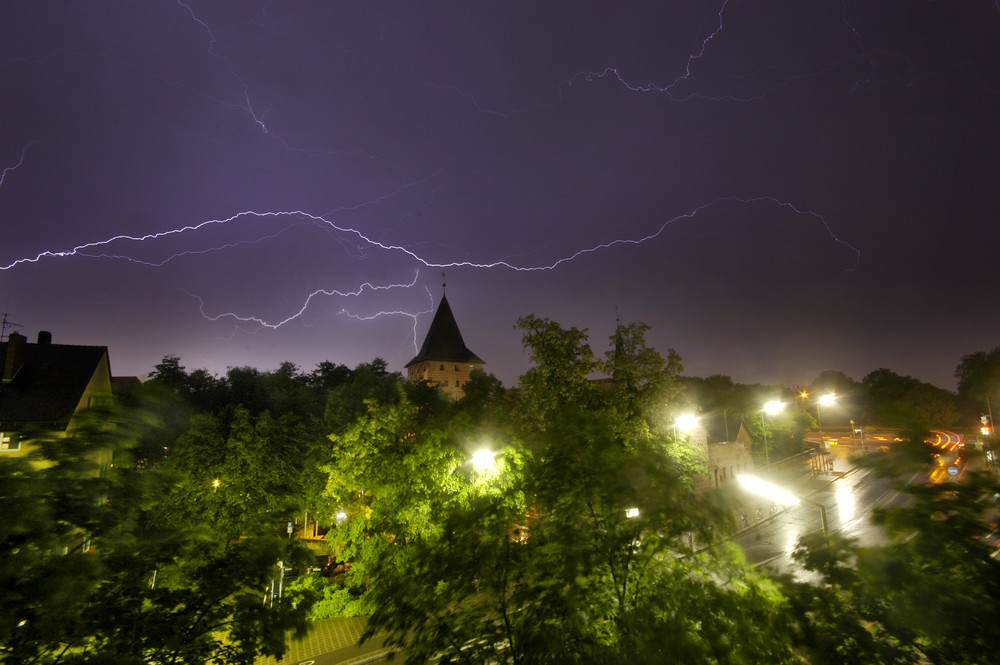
16	166
274	325
81	250
213	41
671	89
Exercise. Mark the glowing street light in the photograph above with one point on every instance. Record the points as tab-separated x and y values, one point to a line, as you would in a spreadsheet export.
772	407
826	400
765	489
482	460
631	512
685	423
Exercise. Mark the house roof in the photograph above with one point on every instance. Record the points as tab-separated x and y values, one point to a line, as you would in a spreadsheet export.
722	430
444	340
48	385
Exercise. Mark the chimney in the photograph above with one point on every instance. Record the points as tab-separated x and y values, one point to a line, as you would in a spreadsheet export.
15	356
44	337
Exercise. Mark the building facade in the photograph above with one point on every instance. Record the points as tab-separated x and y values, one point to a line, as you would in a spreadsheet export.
46	386
444	361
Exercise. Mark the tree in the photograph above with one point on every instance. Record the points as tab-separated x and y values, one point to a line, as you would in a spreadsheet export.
931	593
562	363
239	470
347	401
92	575
902	401
978	377
577	546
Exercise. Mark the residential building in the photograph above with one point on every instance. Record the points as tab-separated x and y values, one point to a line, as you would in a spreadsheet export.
726	444
46	386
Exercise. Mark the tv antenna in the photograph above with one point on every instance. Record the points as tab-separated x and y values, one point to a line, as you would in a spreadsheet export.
5	325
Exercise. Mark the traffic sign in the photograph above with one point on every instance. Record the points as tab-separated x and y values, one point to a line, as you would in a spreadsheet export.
953	470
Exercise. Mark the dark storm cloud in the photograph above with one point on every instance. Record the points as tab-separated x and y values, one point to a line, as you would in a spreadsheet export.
826	173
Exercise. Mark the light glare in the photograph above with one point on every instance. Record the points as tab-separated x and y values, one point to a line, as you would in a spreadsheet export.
482	459
767	490
686	421
773	407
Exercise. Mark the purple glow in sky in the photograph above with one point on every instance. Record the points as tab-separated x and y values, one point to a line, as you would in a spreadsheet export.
777	188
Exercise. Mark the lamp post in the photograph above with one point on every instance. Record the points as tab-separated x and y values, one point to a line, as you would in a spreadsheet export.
774	493
772	407
826	400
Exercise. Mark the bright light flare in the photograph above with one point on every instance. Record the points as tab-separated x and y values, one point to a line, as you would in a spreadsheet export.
482	459
767	490
773	407
631	512
828	399
686	422
845	503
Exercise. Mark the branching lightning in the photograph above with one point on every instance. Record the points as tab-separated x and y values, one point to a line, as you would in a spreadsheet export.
671	89
274	325
680	85
17	165
247	104
304	217
82	250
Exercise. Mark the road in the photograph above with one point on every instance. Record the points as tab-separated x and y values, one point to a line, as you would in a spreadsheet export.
849	500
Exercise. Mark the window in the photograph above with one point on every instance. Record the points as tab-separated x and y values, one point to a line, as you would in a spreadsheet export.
456	368
442	367
10	441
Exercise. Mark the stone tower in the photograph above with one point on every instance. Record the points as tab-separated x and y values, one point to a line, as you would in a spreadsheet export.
444	361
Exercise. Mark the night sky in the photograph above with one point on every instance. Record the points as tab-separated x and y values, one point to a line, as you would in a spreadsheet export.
776	188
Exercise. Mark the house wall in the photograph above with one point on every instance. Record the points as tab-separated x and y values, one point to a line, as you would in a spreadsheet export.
448	377
726	460
97	392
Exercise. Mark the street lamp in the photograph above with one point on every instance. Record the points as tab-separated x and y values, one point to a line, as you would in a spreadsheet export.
826	400
483	464
772	407
685	423
482	460
774	493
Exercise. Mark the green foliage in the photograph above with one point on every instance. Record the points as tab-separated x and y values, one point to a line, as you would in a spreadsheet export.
346	402
562	363
91	574
329	598
236	471
930	594
903	401
978	377
535	560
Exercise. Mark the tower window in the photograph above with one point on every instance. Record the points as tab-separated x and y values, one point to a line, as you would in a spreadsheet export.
442	368
456	368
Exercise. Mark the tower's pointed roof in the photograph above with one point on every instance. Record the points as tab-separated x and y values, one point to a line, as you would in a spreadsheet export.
444	340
